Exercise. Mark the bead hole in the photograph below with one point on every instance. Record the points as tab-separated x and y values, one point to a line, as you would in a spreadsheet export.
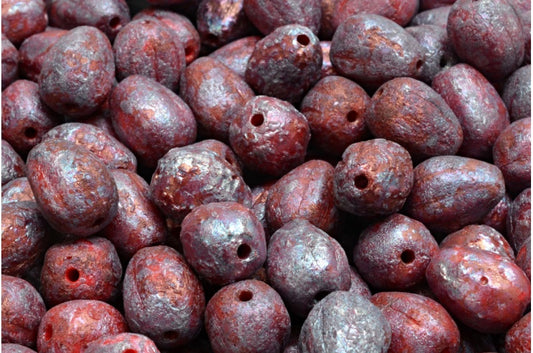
407	256
303	39
351	116
245	296
98	221
129	350
72	275
361	181
419	64
114	22
243	251
257	119
30	132
484	280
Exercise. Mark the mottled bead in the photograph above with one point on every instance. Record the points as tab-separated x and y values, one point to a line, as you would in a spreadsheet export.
223	242
163	298
336	110
437	16
399	11
21	19
523	257
517	93
304	264
33	51
18	189
122	343
247	316
518	337
285	63
483	290
236	54
13	165
345	322
373	178
10	62
393	254
519	219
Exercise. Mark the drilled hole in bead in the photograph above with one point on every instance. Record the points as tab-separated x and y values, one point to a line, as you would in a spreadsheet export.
30	132
98	221
245	296
484	280
170	335
72	275
48	331
129	350
407	256
189	51
114	22
351	116
419	64
360	181
303	39
443	62
243	251
320	295
257	119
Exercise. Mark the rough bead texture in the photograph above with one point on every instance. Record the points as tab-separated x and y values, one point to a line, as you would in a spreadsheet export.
163	298
497	217
149	48
480	237
138	223
122	343
512	154
25	118
411	113
373	178
33	51
176	191
77	72
60	330
517	93
16	348
336	110
478	107
236	54
107	148
10	62
18	189
399	11
488	35
108	16
437	16
393	254
215	94
220	22
483	290
73	188
371	49
22	311
181	25
223	242
345	322
269	136
518	338
519	219
81	269
523	257
21	19
438	51
285	63
13	165
304	264
267	15
247	316
446	192
304	192
25	237
150	119
358	284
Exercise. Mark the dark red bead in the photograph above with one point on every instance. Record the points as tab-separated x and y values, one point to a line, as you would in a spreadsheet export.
483	290
10	62
163	298
22	311
60	330
399	11
13	166
517	93
18	189
122	343
393	254
223	242
519	219
497	217
518	338
437	16
523	257
236	54
22	19
269	135
418	323
83	269
247	316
